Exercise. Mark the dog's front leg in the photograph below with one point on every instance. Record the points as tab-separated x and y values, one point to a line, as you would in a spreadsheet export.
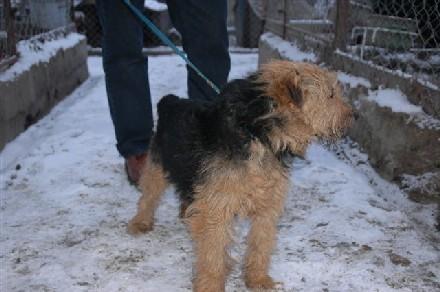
210	229
261	241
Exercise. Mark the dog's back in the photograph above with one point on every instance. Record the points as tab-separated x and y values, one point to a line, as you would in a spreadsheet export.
178	134
189	132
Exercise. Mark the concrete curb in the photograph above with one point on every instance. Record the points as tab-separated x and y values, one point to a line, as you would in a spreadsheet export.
33	93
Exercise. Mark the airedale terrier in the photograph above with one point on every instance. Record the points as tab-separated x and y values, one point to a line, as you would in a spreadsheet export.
230	158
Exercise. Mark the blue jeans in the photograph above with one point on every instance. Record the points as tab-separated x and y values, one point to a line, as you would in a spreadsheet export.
202	25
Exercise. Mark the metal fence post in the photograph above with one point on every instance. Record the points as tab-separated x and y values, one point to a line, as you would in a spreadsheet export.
342	25
10	28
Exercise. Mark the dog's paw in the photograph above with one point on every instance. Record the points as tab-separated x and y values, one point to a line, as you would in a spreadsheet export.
263	283
139	227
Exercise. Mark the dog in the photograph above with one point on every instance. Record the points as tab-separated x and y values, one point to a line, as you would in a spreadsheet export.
230	157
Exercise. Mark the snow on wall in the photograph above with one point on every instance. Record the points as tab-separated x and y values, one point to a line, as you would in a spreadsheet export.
288	50
424	182
399	103
34	51
393	72
353	81
394	99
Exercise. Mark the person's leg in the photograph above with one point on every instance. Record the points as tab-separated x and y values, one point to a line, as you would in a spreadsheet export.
126	75
203	27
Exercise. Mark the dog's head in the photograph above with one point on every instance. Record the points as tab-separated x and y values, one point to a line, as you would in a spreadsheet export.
308	99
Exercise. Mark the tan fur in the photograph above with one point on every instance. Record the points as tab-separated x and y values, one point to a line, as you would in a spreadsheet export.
152	184
319	89
256	188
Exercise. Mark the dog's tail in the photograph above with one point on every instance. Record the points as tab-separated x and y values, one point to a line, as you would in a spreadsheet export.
169	100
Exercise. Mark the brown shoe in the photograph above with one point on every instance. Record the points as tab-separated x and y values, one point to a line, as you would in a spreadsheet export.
133	167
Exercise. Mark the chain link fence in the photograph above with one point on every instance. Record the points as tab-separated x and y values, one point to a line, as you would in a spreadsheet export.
7	34
24	19
400	35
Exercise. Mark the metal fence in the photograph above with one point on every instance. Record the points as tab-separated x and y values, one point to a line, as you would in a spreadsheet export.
7	34
400	35
23	19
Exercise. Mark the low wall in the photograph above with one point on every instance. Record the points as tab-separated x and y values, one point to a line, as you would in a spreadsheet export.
32	93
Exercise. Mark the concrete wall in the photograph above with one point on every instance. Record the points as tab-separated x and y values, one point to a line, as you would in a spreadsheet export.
33	93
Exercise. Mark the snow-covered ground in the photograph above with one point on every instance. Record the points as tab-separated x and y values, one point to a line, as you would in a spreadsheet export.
65	202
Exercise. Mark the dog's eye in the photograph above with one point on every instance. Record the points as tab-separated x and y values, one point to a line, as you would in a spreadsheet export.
332	94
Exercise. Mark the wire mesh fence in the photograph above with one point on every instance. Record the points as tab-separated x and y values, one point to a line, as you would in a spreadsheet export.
23	19
7	35
400	35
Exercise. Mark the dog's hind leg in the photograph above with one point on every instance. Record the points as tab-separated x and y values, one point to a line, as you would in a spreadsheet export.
152	184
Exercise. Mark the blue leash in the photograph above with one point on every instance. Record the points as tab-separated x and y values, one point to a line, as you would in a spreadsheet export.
169	43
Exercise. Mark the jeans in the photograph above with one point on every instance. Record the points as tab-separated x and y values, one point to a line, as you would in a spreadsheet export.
202	25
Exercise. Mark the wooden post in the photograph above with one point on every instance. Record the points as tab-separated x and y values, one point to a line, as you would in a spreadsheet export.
342	24
10	28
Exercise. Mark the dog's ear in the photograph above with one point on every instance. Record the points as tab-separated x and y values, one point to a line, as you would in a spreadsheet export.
293	88
295	94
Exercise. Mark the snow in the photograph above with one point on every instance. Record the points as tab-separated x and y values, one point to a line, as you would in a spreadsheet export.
65	202
322	7
288	50
435	59
353	81
394	99
155	5
399	103
33	51
425	183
